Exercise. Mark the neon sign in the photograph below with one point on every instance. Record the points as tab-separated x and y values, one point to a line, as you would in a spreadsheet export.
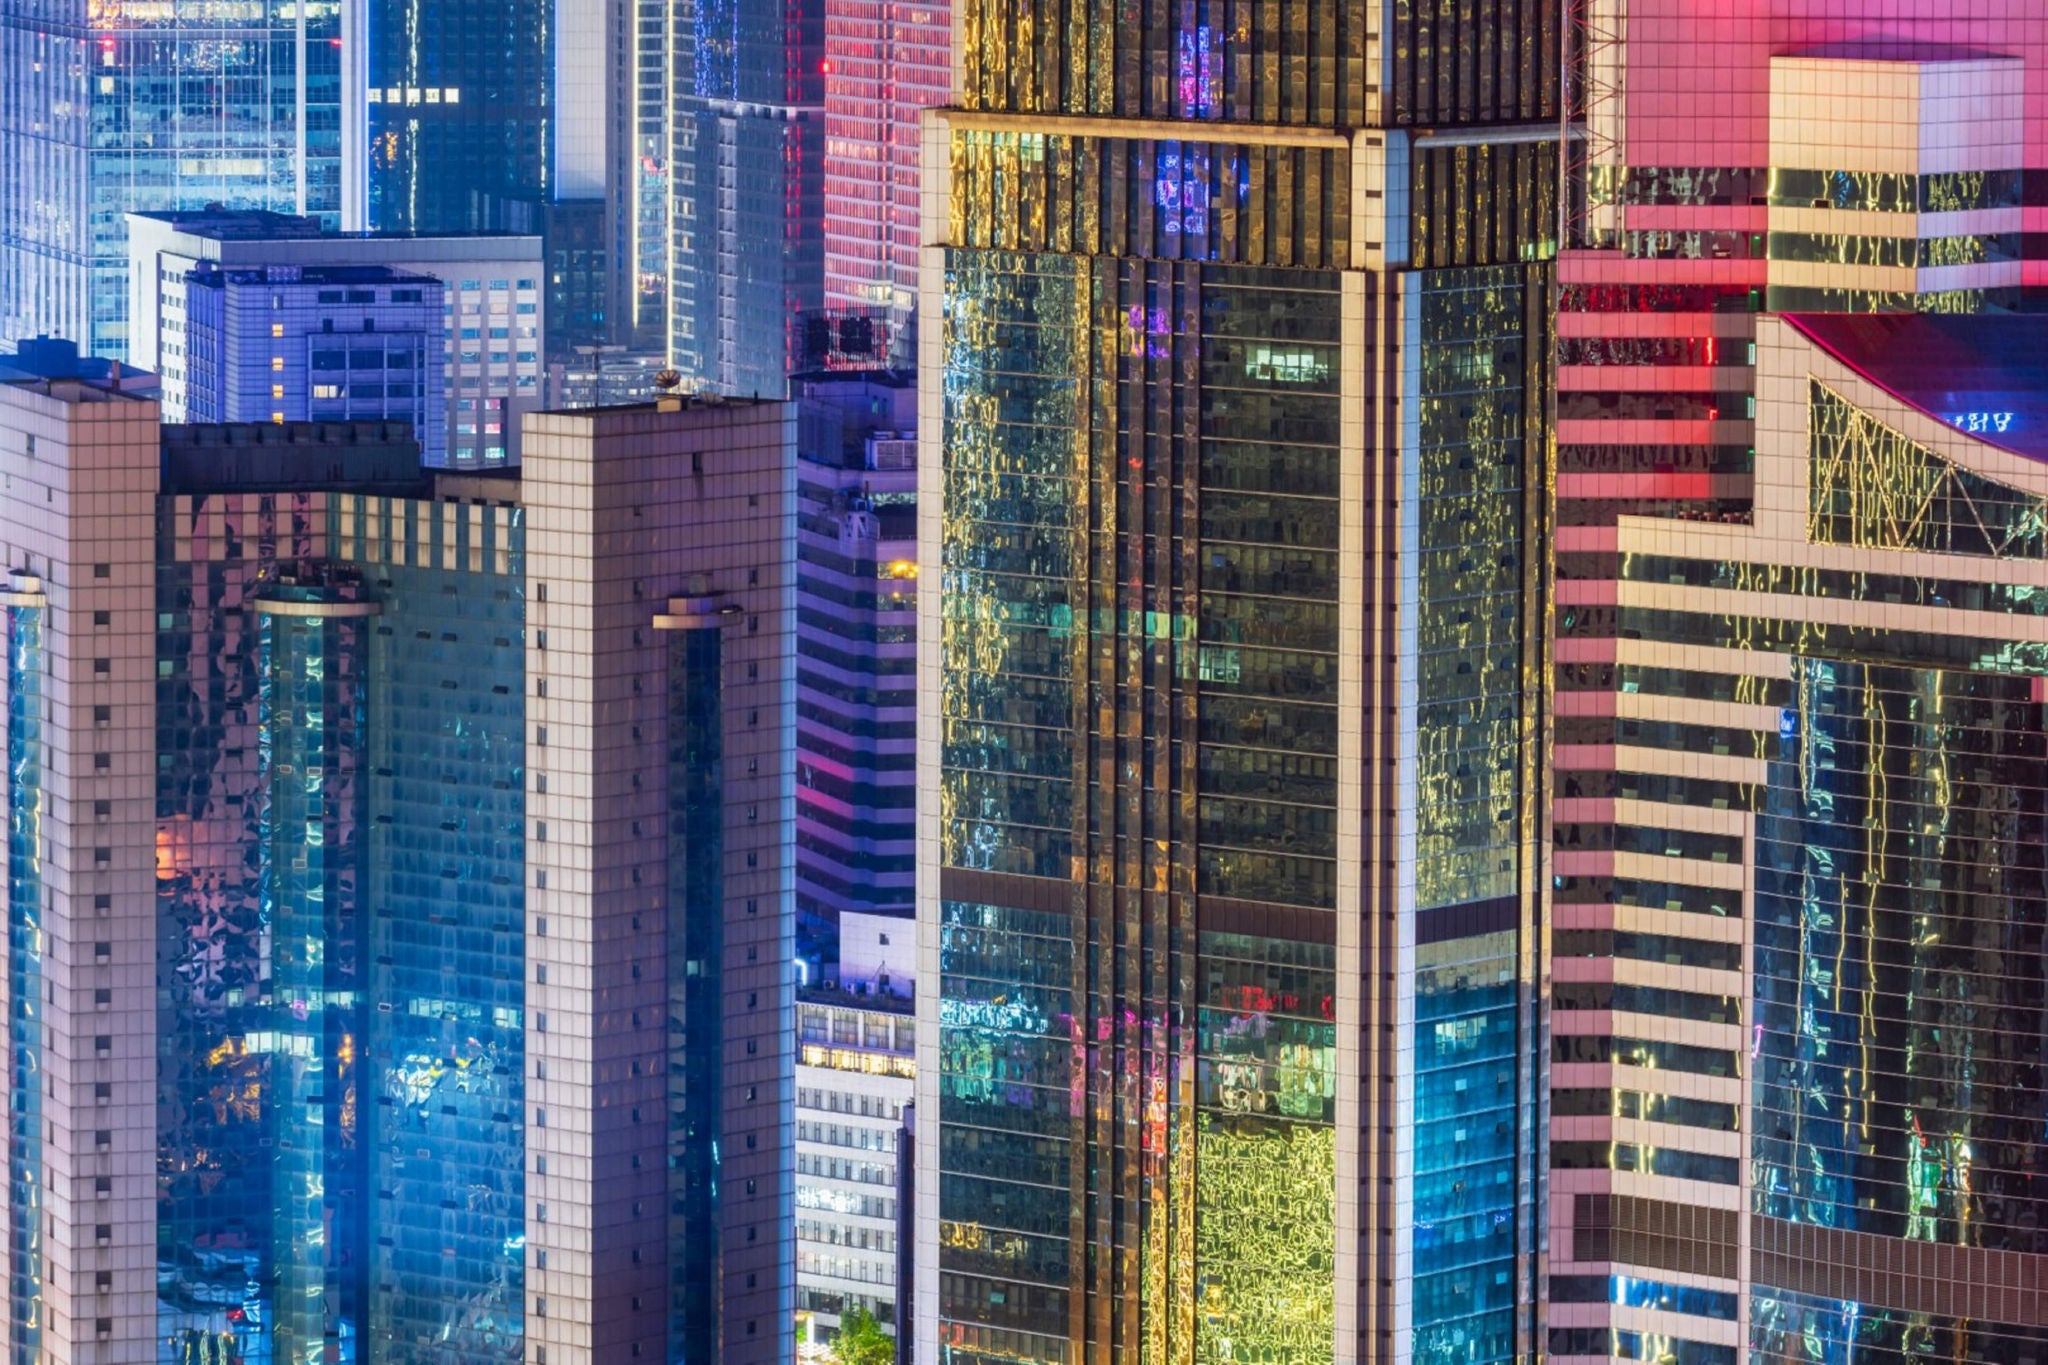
1979	423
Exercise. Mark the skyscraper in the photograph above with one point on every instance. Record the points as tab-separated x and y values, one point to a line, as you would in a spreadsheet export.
1231	482
746	172
1798	974
471	117
324	344
886	62
493	295
457	114
857	577
109	111
399	961
1800	981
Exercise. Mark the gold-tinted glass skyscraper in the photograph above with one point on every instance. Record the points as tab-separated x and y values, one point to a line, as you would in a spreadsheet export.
1233	490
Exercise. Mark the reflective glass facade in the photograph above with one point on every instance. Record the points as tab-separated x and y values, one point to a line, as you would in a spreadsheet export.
747	178
458	112
695	818
320	970
1795	681
1827	763
339	886
889	60
1477	547
310	824
26	947
118	110
1232	486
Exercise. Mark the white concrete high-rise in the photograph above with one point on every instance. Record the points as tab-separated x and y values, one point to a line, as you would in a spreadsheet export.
494	303
856	1071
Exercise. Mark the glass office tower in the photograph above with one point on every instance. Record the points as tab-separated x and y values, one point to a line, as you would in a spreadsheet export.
1797	1085
339	877
747	178
857	655
457	111
888	61
1233	487
468	117
1799	1057
111	110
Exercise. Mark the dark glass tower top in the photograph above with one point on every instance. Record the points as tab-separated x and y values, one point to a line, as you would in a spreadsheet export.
461	99
1307	65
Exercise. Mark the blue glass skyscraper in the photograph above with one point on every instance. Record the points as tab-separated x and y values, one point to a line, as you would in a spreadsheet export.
747	171
490	116
109	110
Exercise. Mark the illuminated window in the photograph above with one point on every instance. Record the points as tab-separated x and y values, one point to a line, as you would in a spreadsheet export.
277	362
277	417
277	390
1287	366
327	390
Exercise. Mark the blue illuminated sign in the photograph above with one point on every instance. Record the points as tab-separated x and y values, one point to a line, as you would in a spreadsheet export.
1980	423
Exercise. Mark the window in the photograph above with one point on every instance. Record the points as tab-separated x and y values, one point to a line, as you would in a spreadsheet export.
277	362
277	329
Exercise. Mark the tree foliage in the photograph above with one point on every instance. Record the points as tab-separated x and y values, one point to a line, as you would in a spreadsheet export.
861	1341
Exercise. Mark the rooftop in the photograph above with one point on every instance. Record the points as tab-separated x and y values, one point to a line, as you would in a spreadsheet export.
211	274
883	1002
1985	373
357	457
263	225
1889	49
679	402
46	357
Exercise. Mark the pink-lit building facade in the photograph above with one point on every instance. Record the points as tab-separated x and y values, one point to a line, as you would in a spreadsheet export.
1800	757
886	60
